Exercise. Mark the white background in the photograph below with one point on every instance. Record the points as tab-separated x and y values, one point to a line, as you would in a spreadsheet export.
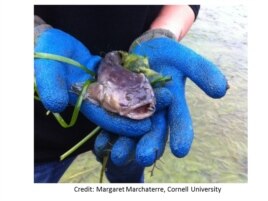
16	113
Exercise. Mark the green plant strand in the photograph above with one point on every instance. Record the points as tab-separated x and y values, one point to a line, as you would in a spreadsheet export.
42	55
36	98
62	122
160	81
103	167
76	110
77	107
75	147
140	64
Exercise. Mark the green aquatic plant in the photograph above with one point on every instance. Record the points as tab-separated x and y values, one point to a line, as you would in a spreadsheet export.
140	64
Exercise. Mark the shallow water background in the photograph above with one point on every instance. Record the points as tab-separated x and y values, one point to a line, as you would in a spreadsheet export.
219	150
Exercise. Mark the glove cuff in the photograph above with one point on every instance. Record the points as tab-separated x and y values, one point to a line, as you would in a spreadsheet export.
151	34
39	27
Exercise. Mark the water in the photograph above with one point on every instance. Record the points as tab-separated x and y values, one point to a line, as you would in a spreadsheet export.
219	150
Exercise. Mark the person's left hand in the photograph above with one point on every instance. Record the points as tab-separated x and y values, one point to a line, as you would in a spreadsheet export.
169	57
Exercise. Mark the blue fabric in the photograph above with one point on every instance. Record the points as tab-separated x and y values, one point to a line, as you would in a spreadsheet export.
51	172
172	58
145	150
120	168
152	145
122	151
130	173
54	80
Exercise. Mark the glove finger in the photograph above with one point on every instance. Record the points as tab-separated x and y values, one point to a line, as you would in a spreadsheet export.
123	151
50	75
165	52
151	146
84	56
111	122
179	119
129	173
103	144
163	98
51	84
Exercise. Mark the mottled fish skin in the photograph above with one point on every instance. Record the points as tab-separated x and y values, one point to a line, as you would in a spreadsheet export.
119	90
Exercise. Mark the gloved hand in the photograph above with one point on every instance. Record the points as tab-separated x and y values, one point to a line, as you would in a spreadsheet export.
172	59
54	80
169	57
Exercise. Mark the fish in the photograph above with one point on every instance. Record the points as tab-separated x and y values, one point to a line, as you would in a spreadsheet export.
119	90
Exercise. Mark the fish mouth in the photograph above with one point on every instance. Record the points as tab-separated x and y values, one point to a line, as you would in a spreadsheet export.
141	111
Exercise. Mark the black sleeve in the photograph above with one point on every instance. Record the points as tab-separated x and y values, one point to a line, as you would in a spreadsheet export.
195	9
101	28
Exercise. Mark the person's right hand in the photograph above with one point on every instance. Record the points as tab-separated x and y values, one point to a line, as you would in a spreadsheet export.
54	80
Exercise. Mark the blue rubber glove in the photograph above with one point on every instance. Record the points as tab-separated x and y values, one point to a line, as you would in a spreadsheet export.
144	150
128	156
169	57
54	80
